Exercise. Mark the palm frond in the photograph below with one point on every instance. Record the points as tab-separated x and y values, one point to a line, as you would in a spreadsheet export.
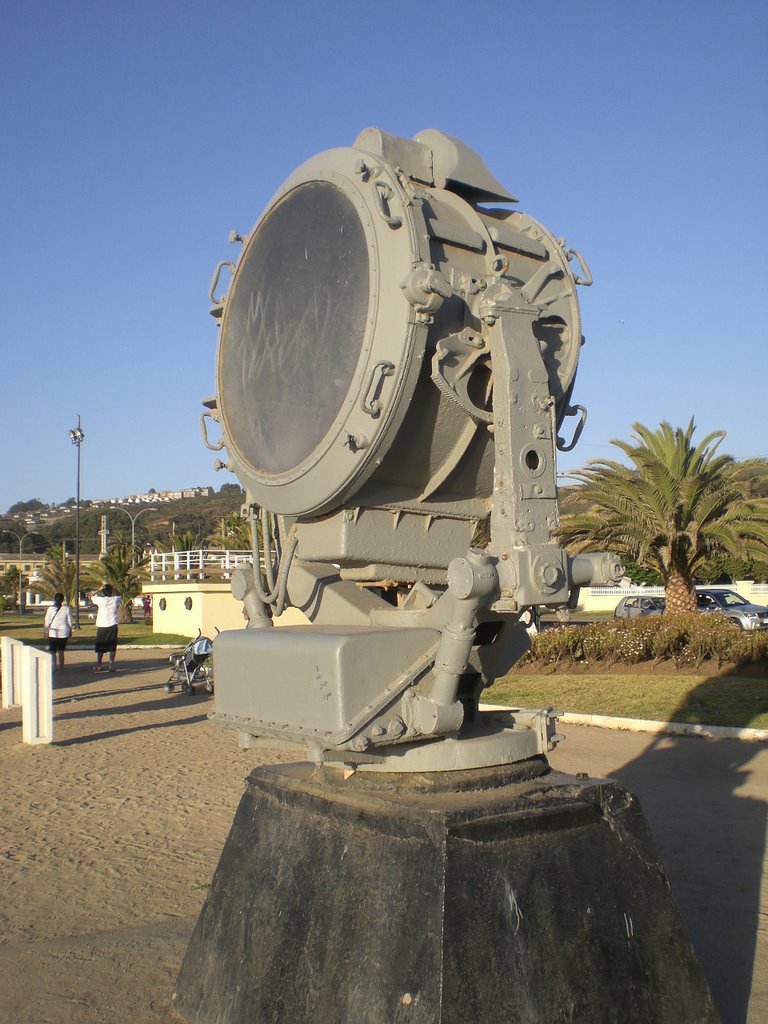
676	504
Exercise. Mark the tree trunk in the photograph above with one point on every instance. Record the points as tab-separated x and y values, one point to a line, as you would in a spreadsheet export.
681	594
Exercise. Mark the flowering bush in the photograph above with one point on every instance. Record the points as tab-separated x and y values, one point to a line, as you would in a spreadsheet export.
670	638
554	645
683	639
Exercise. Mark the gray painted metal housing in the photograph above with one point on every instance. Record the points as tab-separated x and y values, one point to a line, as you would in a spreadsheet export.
397	354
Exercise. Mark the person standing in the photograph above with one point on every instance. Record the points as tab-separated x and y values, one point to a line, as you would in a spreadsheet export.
107	610
58	629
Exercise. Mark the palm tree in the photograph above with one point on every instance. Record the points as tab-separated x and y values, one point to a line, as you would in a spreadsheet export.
232	533
672	508
57	575
11	582
186	541
123	568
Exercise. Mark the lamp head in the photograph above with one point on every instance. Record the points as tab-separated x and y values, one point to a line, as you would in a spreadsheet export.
397	354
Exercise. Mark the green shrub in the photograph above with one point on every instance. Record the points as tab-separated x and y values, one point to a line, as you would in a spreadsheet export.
593	640
631	641
682	639
748	648
555	645
669	637
711	637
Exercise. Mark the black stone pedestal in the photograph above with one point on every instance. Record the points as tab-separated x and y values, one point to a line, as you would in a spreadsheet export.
499	896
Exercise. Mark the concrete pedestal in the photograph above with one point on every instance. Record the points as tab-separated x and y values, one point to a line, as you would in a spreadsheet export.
497	896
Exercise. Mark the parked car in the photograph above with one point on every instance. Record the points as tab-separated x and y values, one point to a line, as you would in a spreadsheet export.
637	606
735	607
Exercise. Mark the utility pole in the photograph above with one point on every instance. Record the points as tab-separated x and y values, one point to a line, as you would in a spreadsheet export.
104	537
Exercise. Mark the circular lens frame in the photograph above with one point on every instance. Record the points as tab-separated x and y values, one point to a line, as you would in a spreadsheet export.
309	397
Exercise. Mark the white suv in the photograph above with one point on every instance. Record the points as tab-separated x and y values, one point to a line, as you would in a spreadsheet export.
733	606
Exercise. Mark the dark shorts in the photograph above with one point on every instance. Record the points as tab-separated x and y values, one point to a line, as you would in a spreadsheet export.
106	640
57	643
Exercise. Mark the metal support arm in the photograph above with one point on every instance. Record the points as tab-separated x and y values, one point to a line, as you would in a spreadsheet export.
531	565
470	582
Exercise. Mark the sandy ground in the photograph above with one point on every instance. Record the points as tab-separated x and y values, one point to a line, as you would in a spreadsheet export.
108	840
110	836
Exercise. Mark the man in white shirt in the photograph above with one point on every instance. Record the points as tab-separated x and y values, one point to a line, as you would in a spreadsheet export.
107	610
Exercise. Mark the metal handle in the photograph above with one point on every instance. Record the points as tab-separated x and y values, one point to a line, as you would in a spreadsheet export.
370	402
543	275
215	280
204	431
572	410
384	193
586	280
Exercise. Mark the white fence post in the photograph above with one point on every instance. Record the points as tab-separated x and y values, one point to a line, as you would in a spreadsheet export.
36	696
10	652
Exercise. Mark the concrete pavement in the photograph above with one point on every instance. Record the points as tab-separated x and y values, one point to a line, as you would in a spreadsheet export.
705	802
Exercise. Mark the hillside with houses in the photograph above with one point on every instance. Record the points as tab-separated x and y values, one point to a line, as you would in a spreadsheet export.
33	526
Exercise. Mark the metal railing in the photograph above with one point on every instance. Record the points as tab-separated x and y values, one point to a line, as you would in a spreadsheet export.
635	589
630	591
199	564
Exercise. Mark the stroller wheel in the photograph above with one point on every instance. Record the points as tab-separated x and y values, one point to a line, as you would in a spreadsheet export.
168	687
209	686
191	691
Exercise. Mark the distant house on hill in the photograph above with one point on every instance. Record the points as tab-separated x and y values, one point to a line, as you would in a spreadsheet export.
155	497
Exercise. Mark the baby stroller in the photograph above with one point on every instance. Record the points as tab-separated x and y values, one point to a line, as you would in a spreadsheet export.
192	666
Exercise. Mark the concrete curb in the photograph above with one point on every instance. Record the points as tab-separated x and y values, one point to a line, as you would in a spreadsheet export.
149	647
721	732
120	647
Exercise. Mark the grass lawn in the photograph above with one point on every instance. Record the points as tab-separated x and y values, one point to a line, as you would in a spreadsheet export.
661	695
29	628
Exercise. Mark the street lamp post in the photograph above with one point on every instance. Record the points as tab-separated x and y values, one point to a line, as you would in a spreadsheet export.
22	603
119	508
77	437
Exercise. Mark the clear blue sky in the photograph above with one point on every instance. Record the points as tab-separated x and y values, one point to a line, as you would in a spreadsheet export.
135	136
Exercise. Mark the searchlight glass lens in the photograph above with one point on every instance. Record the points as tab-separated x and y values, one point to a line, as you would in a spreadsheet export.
294	327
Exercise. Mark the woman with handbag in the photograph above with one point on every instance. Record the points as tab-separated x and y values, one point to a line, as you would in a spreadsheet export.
58	629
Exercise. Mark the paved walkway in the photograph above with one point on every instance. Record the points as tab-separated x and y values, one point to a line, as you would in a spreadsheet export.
705	801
